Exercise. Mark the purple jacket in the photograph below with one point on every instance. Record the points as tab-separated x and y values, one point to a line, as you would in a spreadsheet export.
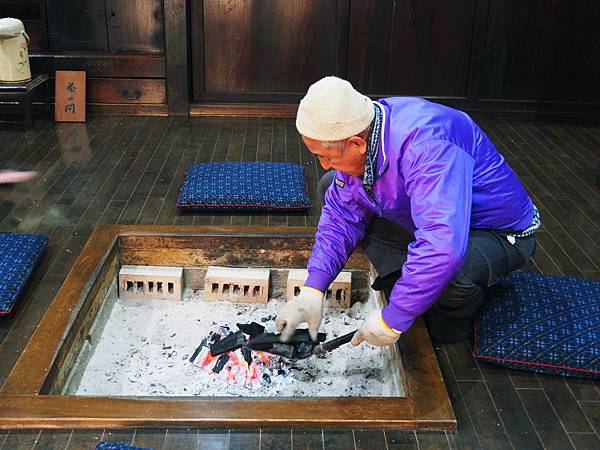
438	175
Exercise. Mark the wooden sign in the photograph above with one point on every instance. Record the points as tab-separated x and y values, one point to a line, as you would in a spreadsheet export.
70	96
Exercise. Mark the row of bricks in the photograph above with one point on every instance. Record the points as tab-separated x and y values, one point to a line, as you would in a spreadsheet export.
223	283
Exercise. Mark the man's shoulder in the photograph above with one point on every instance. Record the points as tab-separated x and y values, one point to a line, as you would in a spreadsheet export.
419	106
418	120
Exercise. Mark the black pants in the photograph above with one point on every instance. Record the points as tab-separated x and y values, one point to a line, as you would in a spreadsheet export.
489	256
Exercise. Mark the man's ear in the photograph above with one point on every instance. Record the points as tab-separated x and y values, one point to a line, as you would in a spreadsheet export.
358	144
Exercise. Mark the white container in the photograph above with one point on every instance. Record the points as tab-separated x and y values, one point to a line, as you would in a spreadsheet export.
14	57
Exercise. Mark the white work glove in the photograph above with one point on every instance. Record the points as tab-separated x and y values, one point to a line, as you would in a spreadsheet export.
306	307
375	331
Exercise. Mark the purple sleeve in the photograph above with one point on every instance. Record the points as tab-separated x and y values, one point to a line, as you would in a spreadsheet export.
439	180
341	227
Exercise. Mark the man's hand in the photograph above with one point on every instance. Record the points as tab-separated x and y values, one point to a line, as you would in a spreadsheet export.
375	331
306	307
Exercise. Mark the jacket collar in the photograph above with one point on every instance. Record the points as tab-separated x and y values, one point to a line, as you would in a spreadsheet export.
370	171
383	161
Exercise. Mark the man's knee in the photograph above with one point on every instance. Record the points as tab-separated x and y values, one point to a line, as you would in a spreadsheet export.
461	299
449	319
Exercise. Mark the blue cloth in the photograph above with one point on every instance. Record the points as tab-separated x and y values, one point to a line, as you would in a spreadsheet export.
245	185
117	446
19	253
542	323
438	175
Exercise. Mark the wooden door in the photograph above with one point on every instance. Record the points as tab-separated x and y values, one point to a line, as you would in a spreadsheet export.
257	50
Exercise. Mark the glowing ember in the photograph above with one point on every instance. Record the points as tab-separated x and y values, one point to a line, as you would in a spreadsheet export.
233	367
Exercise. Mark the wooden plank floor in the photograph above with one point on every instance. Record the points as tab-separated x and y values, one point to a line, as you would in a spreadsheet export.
129	169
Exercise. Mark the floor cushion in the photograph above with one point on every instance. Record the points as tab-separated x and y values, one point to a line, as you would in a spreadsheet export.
543	323
117	446
244	185
19	253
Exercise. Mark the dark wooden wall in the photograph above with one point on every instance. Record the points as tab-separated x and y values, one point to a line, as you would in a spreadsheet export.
545	50
411	47
476	54
158	56
260	50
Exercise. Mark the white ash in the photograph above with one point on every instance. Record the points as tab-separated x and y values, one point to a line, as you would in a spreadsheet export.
145	347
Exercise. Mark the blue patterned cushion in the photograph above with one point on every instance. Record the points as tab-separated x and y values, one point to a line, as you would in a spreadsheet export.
244	185
19	254
543	323
117	446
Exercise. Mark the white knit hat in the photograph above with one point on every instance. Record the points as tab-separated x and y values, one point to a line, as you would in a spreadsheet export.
333	110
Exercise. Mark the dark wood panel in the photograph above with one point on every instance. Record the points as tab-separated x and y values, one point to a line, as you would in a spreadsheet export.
176	42
197	49
537	50
413	47
21	9
102	65
370	44
79	25
281	46
38	38
121	90
135	25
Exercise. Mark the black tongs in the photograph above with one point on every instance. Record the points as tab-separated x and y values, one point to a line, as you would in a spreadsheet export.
333	343
300	346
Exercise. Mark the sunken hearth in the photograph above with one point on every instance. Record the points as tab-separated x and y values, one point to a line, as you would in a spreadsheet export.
163	348
97	360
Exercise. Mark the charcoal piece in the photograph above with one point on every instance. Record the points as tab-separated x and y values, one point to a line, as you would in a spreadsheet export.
303	350
280	349
300	345
198	350
251	329
263	342
247	354
229	343
302	335
220	363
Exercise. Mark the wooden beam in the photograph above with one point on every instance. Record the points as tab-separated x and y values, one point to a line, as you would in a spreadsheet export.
241	109
197	49
102	65
178	90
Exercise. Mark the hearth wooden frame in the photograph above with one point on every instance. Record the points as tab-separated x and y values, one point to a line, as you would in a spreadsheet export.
30	396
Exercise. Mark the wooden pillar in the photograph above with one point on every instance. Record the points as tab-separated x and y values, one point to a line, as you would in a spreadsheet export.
177	53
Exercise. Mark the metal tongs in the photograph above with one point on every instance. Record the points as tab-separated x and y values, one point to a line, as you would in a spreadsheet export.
300	346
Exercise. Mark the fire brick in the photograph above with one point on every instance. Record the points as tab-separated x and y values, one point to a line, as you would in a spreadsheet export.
236	284
150	282
337	296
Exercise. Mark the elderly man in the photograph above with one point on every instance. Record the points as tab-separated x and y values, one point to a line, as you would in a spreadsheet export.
425	194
